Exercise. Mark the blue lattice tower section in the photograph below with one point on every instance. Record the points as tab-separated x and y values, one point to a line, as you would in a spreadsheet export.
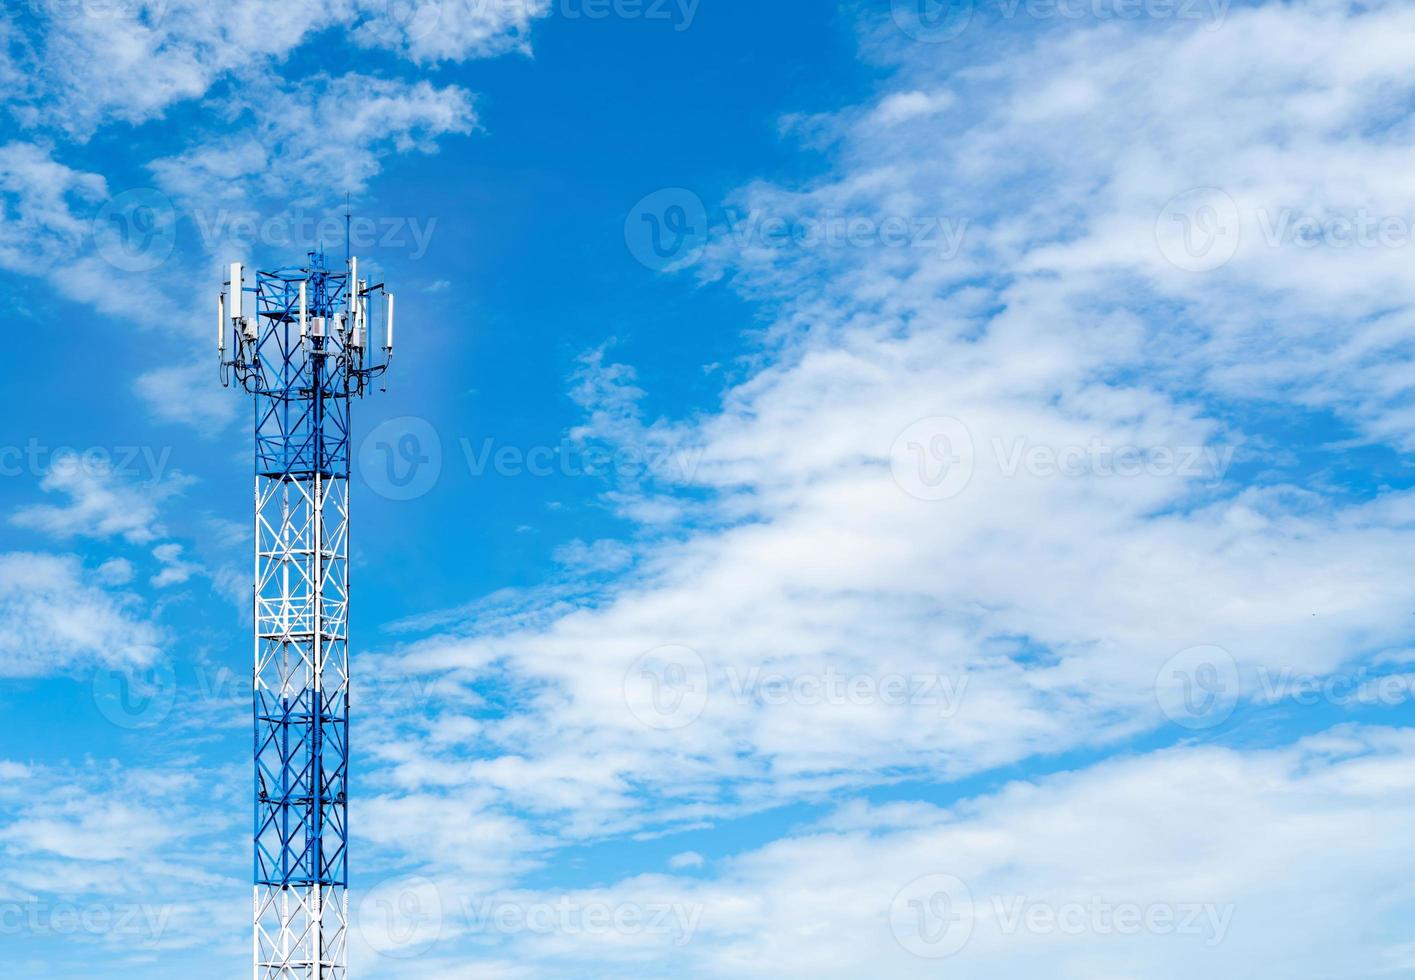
299	344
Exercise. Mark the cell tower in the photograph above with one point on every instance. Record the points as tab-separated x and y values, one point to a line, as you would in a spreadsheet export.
299	339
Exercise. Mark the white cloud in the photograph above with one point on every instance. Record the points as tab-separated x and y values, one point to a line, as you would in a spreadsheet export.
76	68
42	201
1188	862
142	847
1036	607
56	619
175	570
600	556
129	62
53	215
102	503
115	571
687	859
80	67
319	133
14	772
450	30
188	394
1049	600
909	106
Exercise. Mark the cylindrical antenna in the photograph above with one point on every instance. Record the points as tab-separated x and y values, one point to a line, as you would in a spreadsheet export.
353	288
304	309
388	329
221	323
237	283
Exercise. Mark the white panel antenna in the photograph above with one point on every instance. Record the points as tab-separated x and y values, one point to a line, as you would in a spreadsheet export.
353	288
388	328
237	284
361	319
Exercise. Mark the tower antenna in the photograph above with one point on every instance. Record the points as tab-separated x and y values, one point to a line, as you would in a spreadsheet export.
298	342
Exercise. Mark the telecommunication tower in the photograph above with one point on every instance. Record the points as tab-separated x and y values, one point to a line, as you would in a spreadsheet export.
299	343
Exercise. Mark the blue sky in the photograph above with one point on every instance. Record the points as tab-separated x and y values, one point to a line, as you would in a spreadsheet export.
893	484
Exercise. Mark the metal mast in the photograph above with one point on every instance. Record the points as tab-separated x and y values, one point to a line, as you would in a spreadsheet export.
299	340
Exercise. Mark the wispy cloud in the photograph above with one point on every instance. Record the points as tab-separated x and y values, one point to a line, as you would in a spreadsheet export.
1013	469
58	615
102	503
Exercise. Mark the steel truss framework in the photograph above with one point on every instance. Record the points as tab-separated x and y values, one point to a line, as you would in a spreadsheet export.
299	361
